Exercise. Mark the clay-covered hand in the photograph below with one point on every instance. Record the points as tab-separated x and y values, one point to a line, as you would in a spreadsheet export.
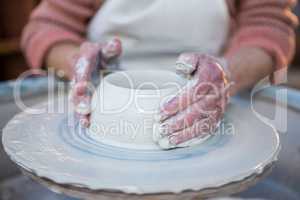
90	56
196	111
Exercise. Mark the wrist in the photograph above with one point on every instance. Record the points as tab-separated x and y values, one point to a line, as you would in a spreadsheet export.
59	58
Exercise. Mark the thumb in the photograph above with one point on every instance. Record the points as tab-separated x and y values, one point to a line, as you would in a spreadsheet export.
112	49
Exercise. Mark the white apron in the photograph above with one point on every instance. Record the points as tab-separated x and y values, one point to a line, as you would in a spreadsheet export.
155	32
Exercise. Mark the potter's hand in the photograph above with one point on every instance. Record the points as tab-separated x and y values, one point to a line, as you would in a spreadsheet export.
90	56
196	111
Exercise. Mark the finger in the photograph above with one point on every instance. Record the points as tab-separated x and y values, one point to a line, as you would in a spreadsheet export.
192	93
90	49
200	129
82	104
187	63
196	112
84	120
112	49
86	61
82	88
210	69
93	54
224	97
187	96
185	135
209	75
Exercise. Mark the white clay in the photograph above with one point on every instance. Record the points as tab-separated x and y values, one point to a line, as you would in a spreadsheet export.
125	109
164	143
126	103
83	108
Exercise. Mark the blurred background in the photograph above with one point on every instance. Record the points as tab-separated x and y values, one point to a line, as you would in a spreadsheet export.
14	15
284	182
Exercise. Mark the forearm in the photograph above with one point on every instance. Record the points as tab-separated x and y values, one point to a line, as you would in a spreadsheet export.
248	66
51	26
59	57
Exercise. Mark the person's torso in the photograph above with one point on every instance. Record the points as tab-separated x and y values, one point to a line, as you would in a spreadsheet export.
155	32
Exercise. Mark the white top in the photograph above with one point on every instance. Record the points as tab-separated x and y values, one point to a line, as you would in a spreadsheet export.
155	32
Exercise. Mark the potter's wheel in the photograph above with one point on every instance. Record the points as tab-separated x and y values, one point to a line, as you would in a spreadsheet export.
44	145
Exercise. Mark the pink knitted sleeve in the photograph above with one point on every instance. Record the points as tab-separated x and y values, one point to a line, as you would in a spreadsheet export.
267	24
55	21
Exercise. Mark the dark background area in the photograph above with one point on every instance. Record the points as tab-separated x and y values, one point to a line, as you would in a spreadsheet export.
13	16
